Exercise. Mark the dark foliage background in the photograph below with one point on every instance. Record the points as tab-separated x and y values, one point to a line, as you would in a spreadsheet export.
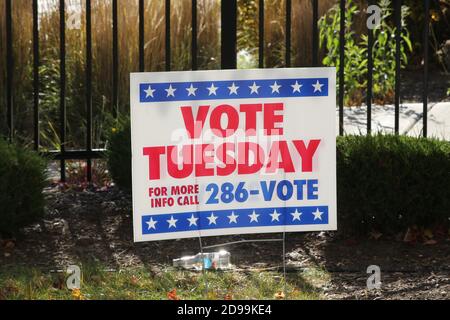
22	179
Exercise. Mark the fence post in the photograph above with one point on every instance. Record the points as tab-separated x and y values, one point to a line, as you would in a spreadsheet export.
370	43
141	36
315	37
167	35
398	31
425	67
261	34
89	87
115	62
62	84
194	64
341	66
9	69
288	26
228	33
36	74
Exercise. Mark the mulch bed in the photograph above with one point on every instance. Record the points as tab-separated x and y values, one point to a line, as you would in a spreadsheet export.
96	225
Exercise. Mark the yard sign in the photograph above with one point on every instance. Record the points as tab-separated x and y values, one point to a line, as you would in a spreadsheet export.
233	152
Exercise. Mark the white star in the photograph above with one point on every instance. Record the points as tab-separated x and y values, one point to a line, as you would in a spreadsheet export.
212	89
296	215
212	219
275	215
317	86
233	89
172	222
151	224
317	214
170	91
149	91
254	88
296	87
275	87
233	217
192	221
191	90
253	216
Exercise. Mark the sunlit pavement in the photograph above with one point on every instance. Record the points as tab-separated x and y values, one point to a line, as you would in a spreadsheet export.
411	120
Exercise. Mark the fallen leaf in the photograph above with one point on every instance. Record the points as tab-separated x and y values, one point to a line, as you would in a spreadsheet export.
172	295
427	233
410	235
212	295
134	280
375	235
9	245
279	295
430	242
440	233
228	297
59	282
76	294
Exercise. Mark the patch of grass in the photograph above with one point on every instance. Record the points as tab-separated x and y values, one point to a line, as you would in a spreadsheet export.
98	283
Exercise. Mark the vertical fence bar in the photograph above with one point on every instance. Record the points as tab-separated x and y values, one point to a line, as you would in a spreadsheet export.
115	62
9	69
36	74
315	35
141	36
89	86
398	30
228	33
287	57
167	35
369	77
194	65
425	67
341	66
261	34
62	84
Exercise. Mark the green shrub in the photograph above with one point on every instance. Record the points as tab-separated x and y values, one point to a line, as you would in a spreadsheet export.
388	183
119	154
384	182
383	51
22	179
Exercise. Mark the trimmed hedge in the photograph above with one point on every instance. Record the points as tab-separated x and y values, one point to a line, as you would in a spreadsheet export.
384	182
387	183
22	179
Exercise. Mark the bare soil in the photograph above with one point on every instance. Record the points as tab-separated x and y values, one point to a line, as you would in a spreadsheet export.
412	86
82	226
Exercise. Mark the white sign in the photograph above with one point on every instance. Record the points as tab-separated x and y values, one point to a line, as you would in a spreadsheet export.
233	152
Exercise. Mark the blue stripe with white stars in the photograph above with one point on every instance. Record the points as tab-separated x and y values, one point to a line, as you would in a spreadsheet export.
237	218
233	89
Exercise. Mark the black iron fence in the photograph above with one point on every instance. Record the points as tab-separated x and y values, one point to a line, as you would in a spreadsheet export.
228	61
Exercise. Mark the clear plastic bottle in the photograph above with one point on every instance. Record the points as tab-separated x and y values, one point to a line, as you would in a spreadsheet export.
209	260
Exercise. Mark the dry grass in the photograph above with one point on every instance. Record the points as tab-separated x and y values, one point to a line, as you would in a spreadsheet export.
143	284
302	20
208	55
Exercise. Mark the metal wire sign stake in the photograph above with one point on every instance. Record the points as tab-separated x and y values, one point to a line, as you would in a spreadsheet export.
233	152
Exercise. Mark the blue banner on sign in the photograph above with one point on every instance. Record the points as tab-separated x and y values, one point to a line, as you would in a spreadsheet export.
237	89
224	219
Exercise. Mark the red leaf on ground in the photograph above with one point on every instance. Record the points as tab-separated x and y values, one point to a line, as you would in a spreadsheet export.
172	295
